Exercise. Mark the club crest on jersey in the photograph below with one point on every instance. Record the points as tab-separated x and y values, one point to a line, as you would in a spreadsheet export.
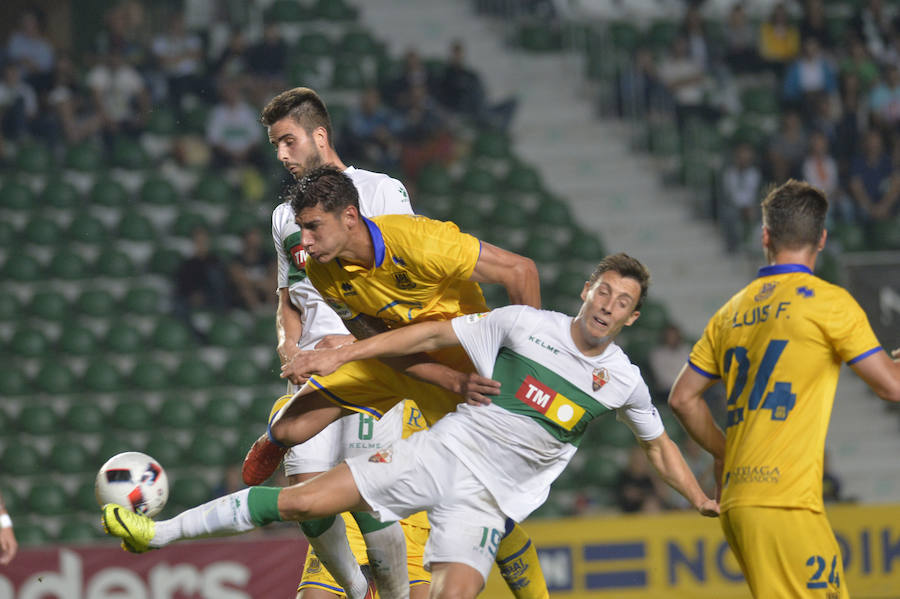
599	377
765	292
382	456
402	280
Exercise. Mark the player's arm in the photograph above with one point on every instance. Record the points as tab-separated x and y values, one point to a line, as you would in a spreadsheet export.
881	373
516	273
666	458
8	544
288	326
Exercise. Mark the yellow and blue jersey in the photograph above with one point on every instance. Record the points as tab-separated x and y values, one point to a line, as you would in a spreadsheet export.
778	345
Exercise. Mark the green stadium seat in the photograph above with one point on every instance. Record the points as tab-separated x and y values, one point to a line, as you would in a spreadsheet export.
194	119
41	231
761	100
128	154
88	229
624	35
68	265
55	378
69	456
615	434
16	196
347	75
165	261
165	450
300	71
334	10
77	340
30	534
20	459
286	11
142	301
478	180
86	157
161	122
150	375
85	498
492	145
209	449
359	44
102	377
639	343
35	159
885	235
157	191
10	307
85	417
539	37
213	189
586	246
263	329
508	213
257	414
177	413
543	247
602	471
661	34
108	192
113	444
171	335
189	491
132	416
29	343
13	382
22	267
654	316
122	337
314	43
98	303
115	264
553	212
78	531
14	504
851	238
38	419
8	234
239	221
194	373
186	222
227	332
435	180
49	305
223	411
60	194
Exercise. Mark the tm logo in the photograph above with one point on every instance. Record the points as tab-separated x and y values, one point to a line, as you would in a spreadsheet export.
805	291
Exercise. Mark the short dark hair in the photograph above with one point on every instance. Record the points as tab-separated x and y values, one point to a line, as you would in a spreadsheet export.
301	104
325	186
794	214
628	267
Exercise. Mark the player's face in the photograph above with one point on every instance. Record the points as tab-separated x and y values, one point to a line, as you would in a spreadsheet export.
608	306
296	149
324	234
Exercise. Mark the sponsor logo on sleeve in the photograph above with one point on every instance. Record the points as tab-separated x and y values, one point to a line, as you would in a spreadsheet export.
555	406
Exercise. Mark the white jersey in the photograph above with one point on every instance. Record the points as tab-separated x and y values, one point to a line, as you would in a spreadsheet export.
378	194
520	443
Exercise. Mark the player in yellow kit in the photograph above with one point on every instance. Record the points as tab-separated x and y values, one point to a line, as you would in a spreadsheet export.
778	345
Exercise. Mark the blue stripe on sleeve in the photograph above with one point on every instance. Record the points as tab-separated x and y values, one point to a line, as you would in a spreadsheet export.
699	370
874	350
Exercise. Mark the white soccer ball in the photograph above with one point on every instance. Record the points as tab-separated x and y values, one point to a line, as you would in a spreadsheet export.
133	480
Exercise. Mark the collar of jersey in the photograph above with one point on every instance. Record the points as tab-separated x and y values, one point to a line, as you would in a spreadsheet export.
377	240
780	269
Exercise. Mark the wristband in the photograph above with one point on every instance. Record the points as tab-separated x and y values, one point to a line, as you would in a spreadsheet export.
5	521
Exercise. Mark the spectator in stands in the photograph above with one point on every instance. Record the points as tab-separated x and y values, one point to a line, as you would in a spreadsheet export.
810	75
787	147
636	489
686	80
852	121
425	134
779	39
253	273
71	108
179	56
8	544
201	282
884	100
640	90
741	183
234	61
31	49
121	33
371	132
814	24
874	186
267	61
666	361
397	92
120	95
858	62
232	129
741	40
820	169
695	35
18	103
872	24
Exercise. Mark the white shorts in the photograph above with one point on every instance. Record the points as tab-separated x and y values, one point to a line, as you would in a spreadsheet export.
321	453
420	473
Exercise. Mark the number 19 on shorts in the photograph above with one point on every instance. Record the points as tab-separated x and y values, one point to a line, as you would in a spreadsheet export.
490	539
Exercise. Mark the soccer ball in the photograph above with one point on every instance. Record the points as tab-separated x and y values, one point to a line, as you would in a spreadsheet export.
133	480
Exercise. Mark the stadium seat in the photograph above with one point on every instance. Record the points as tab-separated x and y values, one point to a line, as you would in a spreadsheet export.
29	342
85	417
87	229
624	36
654	316
602	471
69	456
12	501
314	44
60	194
257	413
347	75
435	180
359	44
37	419
142	301
213	189
41	231
102	376
195	374
34	158
49	305
662	33
165	261
615	434
85	157
223	411
186	222
10	307
128	154
98	303
13	382
543	247
108	192
115	264
239	221
189	491
586	246
20	459
507	213
209	449
539	37
21	267
171	335
16	196
77	340
29	533
553	212
8	234
55	378
885	235
122	337
150	375
478	180
162	122
112	444
85	499
492	145
68	265
132	416
334	10
79	531
177	413
263	328
157	191
762	100
227	332
165	450
639	343
286	11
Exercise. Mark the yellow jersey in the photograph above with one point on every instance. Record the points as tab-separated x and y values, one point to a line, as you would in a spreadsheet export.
778	344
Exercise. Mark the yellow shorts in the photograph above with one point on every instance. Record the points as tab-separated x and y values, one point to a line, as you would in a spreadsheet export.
416	530
785	553
372	387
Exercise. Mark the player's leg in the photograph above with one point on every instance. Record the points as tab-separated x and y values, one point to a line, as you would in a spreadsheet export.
386	552
318	583
518	561
451	579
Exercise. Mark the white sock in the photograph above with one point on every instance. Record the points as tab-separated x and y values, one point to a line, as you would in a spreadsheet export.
228	515
334	552
386	549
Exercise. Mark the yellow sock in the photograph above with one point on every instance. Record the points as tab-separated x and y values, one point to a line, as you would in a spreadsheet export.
519	565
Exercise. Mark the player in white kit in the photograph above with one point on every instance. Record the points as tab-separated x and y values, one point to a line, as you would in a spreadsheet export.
478	465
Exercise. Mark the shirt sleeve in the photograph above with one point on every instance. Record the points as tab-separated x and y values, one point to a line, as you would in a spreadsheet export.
444	251
640	415
283	264
703	357
482	335
848	330
391	197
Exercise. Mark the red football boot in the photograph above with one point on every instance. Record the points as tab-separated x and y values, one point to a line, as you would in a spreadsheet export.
261	461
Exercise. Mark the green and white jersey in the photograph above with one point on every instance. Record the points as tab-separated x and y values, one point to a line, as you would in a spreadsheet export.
378	194
550	391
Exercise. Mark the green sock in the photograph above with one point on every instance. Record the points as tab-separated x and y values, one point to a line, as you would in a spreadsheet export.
368	523
317	527
263	505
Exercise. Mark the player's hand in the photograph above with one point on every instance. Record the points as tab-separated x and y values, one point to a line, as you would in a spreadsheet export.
709	508
896	355
287	352
308	363
718	472
333	341
476	388
8	545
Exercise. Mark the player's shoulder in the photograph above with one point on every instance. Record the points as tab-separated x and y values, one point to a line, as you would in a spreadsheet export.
283	211
369	181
